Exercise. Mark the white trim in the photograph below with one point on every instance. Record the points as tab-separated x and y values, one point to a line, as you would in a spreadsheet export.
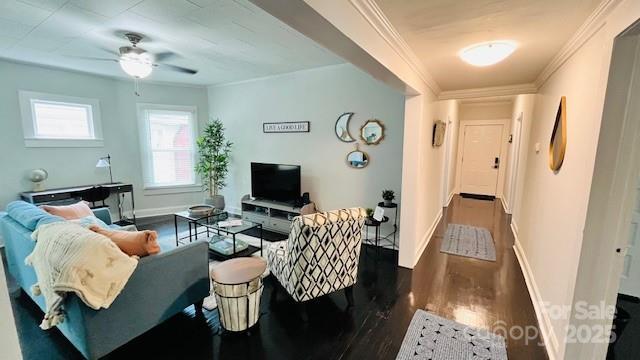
544	322
446	164
372	13
176	189
450	198
489	92
594	22
26	99
505	205
168	210
516	136
68	143
426	239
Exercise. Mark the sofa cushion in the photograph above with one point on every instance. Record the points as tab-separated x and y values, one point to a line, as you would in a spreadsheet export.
29	215
75	211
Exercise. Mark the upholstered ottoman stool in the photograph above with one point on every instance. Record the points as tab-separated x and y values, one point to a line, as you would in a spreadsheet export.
237	285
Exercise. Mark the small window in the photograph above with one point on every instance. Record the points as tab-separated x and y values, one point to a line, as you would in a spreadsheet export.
168	145
60	121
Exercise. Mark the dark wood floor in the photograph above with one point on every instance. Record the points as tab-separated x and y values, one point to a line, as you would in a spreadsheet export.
470	291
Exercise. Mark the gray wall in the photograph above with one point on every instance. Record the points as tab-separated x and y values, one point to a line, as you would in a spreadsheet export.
76	166
319	96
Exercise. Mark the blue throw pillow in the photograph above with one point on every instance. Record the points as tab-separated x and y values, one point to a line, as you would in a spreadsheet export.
29	215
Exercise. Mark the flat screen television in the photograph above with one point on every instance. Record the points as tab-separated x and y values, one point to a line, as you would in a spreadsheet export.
275	182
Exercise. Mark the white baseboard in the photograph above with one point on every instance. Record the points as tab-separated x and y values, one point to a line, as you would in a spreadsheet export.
143	213
427	237
169	210
544	322
450	198
505	205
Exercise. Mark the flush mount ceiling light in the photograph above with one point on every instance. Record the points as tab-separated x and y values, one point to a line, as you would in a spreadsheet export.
489	53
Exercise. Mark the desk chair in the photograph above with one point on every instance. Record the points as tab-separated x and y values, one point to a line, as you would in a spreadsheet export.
95	194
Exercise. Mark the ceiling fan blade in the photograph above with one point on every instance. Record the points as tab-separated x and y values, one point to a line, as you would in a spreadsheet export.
164	56
93	58
178	68
109	51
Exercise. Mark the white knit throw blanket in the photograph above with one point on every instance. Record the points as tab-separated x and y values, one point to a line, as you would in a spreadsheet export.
69	258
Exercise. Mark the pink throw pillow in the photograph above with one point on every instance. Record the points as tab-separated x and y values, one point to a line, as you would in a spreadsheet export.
69	212
138	243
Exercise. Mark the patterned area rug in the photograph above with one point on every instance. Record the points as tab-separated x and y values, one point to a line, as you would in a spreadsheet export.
469	241
431	337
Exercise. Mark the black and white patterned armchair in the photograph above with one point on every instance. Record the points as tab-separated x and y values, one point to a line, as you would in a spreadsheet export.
321	254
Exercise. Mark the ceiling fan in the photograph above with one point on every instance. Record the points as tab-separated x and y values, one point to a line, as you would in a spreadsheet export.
139	63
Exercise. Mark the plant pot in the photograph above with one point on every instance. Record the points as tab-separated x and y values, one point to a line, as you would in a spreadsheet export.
217	201
388	202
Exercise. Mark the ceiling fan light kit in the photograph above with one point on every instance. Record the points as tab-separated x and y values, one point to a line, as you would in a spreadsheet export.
138	65
138	62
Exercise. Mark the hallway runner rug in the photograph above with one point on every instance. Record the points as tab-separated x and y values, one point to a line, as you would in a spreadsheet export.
469	241
431	337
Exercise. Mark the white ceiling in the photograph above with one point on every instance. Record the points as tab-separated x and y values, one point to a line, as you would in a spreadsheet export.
226	40
437	29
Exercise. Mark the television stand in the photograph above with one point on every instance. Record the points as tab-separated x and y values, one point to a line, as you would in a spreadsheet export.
273	215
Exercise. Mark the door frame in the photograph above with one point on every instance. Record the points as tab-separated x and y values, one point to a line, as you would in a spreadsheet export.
448	147
503	150
514	163
612	192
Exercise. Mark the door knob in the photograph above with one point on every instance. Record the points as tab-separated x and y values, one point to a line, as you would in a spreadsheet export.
496	163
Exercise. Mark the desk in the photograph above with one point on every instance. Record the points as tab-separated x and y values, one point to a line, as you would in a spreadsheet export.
68	194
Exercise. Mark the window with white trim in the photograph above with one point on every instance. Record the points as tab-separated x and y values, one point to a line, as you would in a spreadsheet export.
168	145
58	120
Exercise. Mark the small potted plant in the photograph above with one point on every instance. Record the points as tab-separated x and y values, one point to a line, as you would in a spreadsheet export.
388	196
369	212
213	165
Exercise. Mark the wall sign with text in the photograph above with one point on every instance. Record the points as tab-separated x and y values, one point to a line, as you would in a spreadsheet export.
286	127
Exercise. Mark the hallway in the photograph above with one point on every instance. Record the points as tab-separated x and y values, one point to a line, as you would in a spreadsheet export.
479	293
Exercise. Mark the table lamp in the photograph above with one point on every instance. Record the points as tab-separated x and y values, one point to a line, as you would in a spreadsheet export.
105	162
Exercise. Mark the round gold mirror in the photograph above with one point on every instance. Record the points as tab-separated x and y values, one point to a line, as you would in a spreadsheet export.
372	132
357	159
558	143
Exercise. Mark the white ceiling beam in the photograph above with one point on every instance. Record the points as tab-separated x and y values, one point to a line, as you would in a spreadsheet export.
371	12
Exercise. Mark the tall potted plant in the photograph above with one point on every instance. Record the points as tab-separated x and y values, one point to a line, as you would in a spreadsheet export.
214	151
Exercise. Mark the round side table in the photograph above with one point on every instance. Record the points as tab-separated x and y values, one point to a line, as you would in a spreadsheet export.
237	285
370	222
393	206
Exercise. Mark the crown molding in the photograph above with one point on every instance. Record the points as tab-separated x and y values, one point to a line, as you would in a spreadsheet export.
594	22
489	92
372	13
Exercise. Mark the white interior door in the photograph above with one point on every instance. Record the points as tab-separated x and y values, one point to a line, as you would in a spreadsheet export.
630	282
480	159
